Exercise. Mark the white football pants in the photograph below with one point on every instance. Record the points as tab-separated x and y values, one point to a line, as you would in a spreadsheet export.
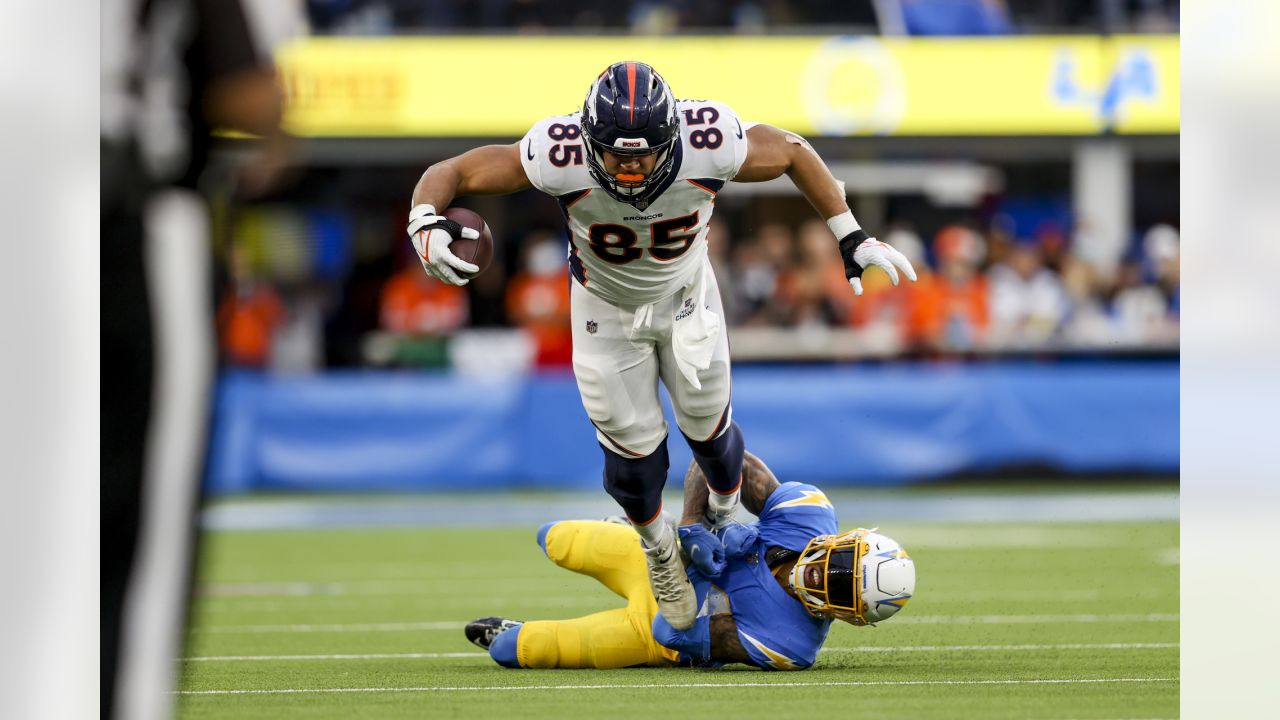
618	362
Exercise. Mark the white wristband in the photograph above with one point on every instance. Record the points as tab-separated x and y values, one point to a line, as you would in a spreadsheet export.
417	218
422	211
843	224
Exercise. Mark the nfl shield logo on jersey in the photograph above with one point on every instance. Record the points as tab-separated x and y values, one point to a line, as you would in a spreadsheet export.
592	327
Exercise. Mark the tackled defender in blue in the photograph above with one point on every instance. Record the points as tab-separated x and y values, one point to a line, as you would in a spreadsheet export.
767	592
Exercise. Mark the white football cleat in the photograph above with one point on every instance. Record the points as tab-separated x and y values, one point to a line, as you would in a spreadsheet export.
676	597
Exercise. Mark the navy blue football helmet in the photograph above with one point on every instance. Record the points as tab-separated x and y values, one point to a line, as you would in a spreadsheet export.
630	111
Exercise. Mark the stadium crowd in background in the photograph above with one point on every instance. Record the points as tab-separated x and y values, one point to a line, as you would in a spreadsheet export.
977	290
890	17
983	288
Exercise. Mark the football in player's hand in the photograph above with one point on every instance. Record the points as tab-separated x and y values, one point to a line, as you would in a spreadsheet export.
478	251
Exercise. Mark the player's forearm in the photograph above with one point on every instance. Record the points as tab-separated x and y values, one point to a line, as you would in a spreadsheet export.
758	483
695	495
814	180
438	186
726	647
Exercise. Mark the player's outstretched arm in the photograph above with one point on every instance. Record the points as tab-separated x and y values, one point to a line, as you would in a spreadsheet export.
772	152
488	170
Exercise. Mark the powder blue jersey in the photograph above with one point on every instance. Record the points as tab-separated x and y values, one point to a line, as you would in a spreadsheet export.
774	628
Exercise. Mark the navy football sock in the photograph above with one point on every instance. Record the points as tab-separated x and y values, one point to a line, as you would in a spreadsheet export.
636	483
720	459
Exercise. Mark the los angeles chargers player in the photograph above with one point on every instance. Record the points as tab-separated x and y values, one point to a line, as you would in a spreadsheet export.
767	601
636	173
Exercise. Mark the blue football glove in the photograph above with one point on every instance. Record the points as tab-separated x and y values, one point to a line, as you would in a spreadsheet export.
738	539
694	644
704	549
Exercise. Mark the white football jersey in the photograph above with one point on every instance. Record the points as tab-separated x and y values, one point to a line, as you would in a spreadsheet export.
629	256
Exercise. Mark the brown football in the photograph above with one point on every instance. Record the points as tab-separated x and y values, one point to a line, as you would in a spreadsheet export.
479	251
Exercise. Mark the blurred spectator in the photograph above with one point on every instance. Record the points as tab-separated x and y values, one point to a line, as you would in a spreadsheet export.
718	243
298	344
1088	323
1146	304
538	300
884	313
951	311
1028	301
1140	310
1001	238
813	289
419	312
757	266
1161	246
1053	244
248	316
414	303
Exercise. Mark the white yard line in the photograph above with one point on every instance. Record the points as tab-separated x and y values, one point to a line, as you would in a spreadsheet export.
866	649
362	656
914	620
1002	648
1026	619
780	684
356	627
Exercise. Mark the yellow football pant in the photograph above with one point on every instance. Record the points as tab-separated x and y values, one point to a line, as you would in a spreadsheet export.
618	638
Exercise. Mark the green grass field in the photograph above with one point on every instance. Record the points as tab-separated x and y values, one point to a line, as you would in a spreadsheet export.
1057	620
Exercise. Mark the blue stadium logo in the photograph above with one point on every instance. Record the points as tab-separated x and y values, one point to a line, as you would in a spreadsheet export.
1134	77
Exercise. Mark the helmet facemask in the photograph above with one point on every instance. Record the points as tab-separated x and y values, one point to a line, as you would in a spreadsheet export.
844	577
638	193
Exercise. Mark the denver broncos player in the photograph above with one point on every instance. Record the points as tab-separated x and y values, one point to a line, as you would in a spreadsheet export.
636	173
769	602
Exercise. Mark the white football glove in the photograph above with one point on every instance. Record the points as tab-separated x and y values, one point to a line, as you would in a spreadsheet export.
431	235
861	251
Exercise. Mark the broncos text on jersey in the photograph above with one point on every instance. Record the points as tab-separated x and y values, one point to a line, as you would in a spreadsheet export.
622	254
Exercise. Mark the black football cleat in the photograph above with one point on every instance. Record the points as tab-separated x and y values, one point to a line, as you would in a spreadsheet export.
482	632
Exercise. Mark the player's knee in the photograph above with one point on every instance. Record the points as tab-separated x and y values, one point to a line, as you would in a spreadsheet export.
558	540
706	428
636	477
639	439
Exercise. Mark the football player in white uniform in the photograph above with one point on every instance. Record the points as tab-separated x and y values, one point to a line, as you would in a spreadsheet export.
636	174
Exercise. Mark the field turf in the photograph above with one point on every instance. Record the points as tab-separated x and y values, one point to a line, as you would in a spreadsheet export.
1055	620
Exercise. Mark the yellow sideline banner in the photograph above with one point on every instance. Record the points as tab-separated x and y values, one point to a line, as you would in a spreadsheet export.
833	86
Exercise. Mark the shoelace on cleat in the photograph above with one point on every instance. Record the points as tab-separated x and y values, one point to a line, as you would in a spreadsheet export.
666	583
